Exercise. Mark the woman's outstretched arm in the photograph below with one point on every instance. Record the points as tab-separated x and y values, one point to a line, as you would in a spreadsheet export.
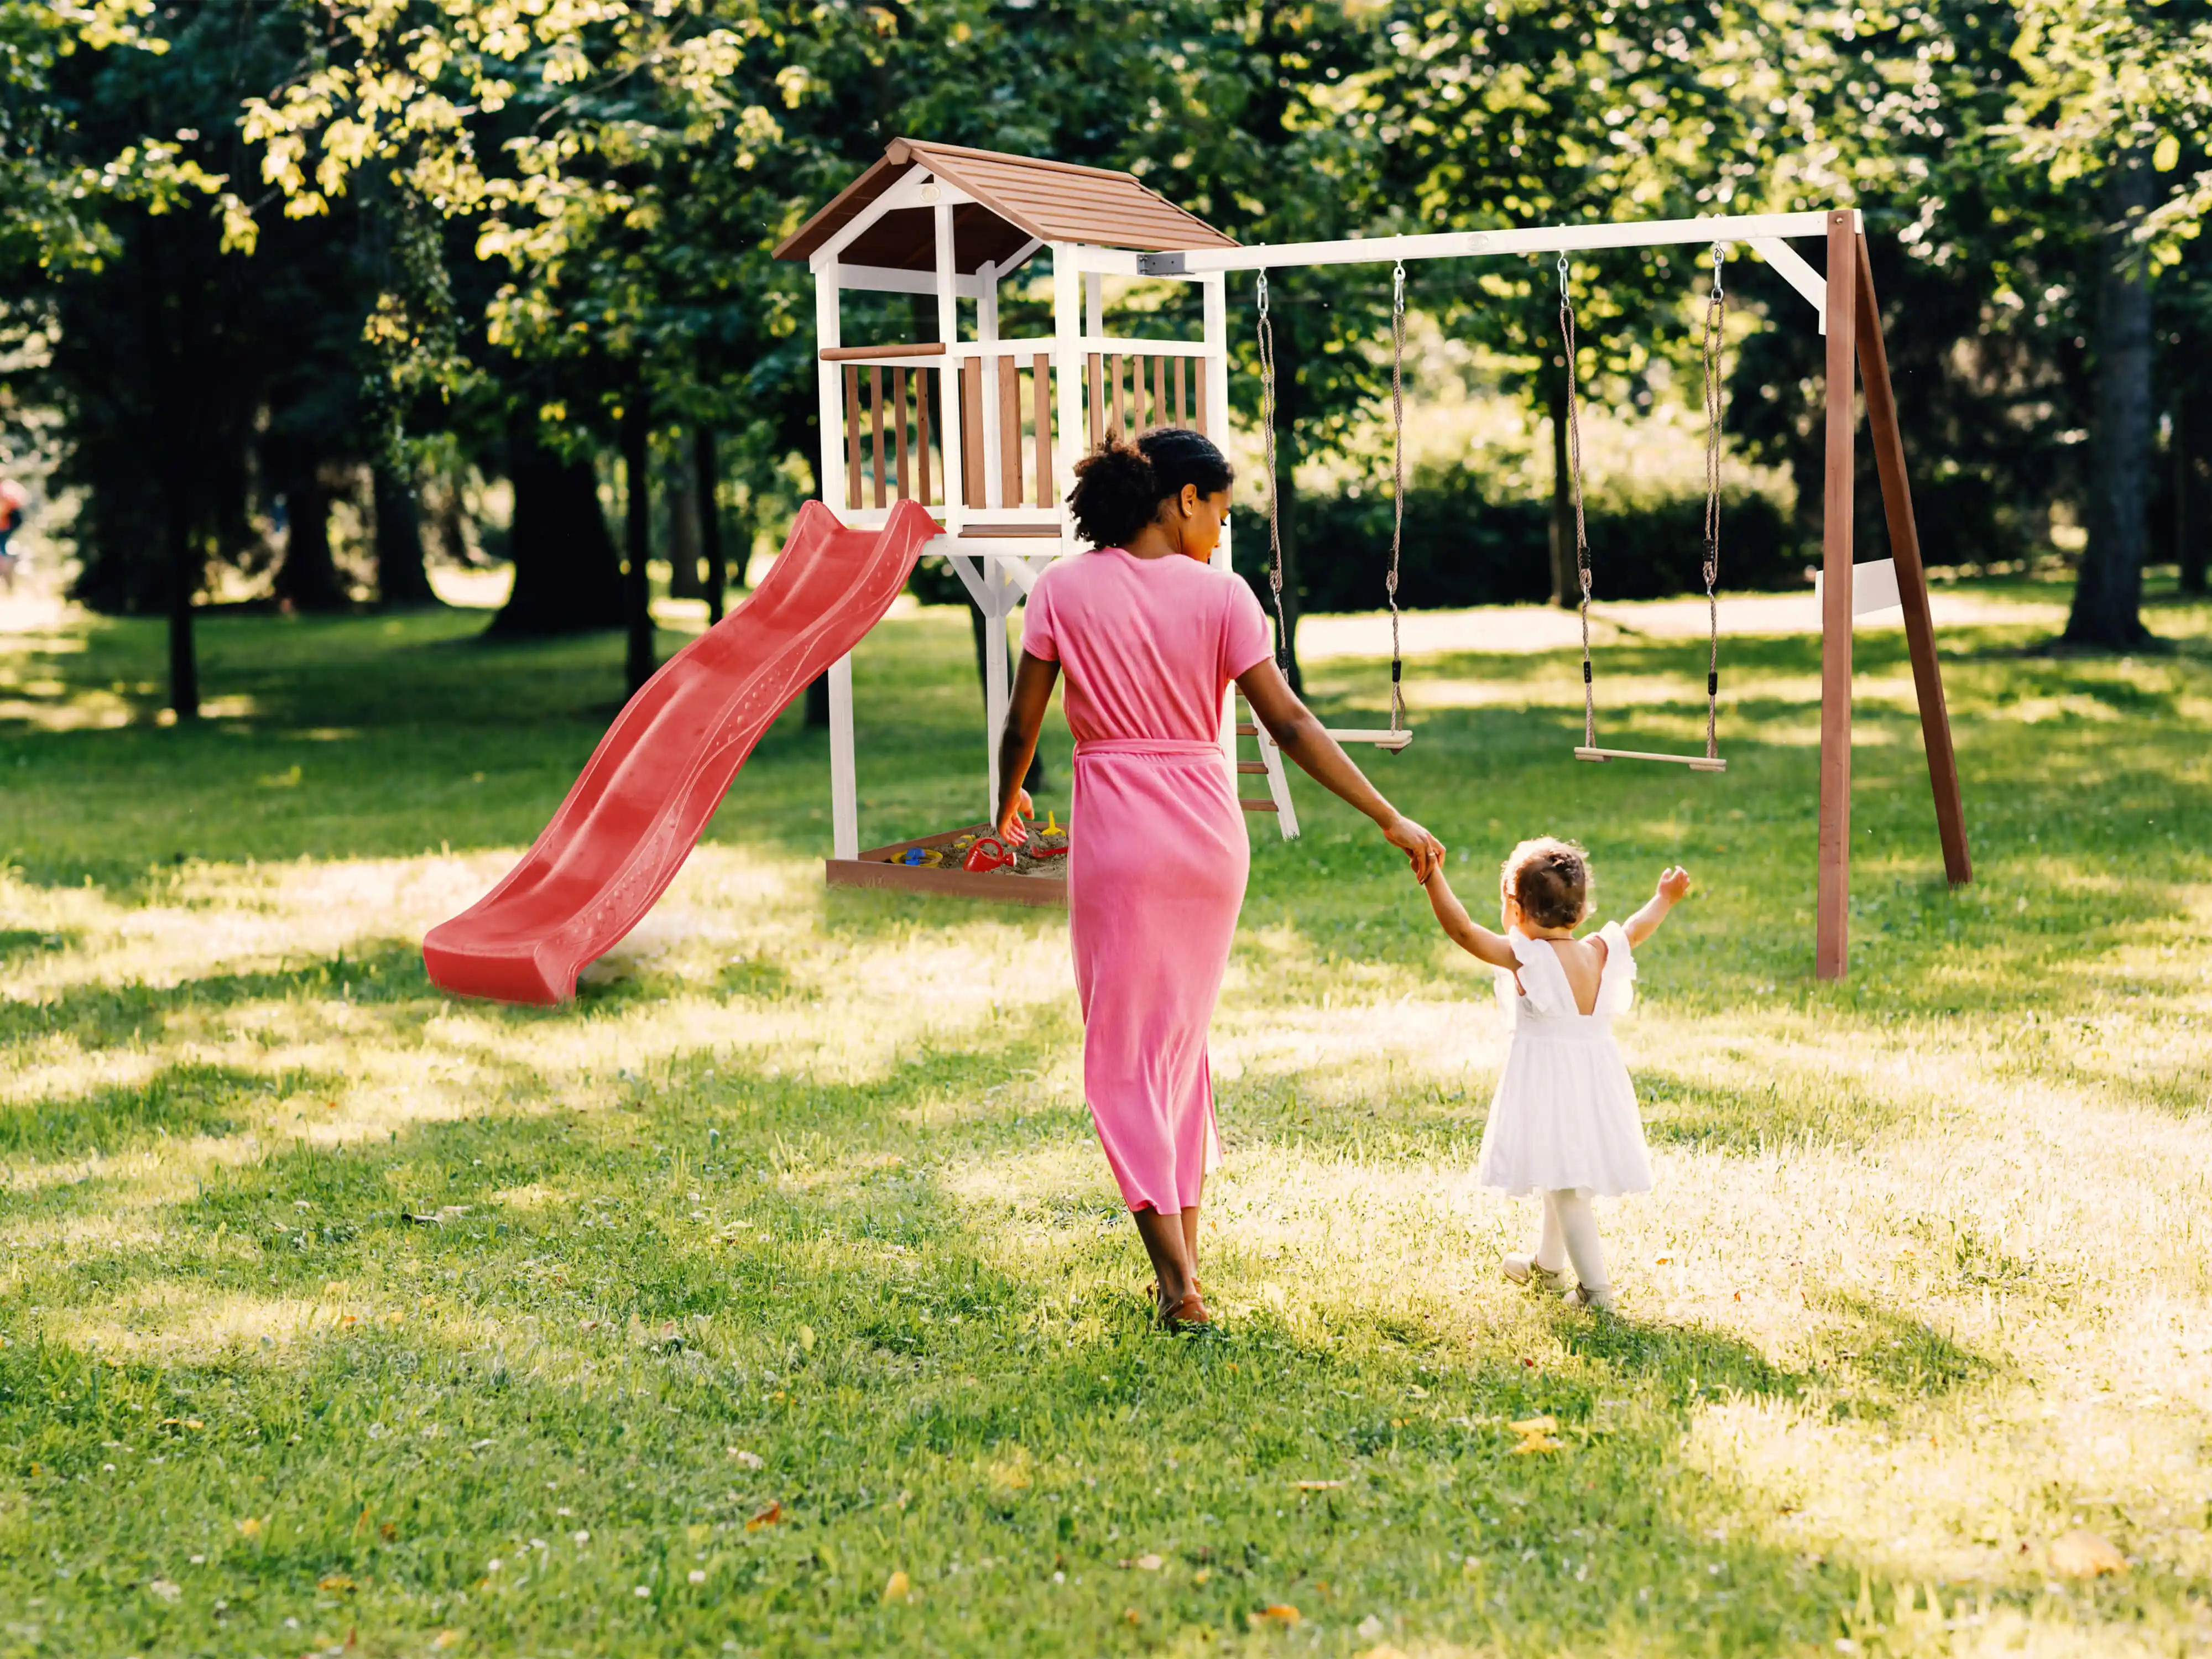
1033	682
1298	734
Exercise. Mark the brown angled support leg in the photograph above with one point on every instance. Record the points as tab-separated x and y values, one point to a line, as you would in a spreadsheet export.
1911	579
1832	906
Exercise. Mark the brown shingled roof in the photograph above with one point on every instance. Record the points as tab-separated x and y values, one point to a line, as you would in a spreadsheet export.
1016	198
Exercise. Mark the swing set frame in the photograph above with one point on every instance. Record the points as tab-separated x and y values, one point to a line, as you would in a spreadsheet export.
1856	359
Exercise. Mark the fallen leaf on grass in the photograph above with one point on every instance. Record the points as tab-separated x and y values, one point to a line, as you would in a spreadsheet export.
766	1517
250	1527
336	1581
1535	1425
1315	1485
1142	1562
2083	1554
896	1587
1129	1615
1537	1442
1279	1612
752	1460
164	1588
446	1638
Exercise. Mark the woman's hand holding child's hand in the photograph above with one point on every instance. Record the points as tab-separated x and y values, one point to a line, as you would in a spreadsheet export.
1422	850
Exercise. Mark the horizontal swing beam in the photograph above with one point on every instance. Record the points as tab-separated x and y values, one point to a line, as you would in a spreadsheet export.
1459	245
1695	762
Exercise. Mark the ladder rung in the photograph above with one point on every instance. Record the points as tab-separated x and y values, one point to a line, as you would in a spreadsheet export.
1251	805
1245	729
1251	766
1695	762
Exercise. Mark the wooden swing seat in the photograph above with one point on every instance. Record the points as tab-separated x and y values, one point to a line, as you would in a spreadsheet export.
1381	739
1695	762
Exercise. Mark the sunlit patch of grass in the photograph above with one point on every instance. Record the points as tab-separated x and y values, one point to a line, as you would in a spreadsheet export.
796	1213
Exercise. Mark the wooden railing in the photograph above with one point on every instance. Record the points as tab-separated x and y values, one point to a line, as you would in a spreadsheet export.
893	396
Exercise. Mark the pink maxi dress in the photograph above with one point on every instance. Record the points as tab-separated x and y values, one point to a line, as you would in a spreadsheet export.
1158	857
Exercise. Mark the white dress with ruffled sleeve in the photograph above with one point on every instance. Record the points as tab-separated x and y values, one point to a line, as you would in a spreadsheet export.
1564	1115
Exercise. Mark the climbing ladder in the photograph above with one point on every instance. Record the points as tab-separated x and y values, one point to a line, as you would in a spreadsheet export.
1269	766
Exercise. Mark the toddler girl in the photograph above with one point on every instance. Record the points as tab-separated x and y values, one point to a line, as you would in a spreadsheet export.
1564	1122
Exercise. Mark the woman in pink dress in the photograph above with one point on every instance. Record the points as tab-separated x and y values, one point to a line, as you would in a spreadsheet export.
1150	635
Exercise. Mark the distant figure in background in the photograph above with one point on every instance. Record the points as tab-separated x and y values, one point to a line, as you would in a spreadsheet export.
14	498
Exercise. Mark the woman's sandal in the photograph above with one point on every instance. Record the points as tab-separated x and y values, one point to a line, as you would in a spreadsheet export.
1189	1314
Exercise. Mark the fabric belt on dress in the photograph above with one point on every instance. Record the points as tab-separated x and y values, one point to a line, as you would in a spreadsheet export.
1175	747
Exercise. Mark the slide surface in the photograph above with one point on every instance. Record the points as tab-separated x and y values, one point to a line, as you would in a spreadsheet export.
656	777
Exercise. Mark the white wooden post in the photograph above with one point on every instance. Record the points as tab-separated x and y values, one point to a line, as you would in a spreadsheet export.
948	379
844	782
1003	592
1068	367
987	335
1094	304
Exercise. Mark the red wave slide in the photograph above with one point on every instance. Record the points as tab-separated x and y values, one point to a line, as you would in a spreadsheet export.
663	767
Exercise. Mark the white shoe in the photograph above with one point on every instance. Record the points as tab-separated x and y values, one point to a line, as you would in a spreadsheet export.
1521	1268
1583	1296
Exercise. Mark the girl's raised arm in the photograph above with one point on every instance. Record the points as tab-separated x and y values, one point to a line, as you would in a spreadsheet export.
1470	935
1674	883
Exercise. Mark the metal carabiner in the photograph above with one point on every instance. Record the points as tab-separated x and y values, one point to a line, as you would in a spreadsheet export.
1398	286
1263	293
1563	270
1719	259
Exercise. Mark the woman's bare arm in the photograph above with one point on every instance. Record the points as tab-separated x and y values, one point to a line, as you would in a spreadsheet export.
1298	734
1033	679
1470	935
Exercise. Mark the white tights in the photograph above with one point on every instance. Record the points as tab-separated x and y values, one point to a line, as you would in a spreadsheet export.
1569	1235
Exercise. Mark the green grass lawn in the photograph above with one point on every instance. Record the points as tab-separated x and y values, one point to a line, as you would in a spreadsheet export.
774	1297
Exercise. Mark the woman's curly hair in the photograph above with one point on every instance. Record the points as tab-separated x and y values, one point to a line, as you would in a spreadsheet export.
1120	485
1550	878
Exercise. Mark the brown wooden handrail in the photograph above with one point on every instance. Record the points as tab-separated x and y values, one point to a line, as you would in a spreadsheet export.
878	353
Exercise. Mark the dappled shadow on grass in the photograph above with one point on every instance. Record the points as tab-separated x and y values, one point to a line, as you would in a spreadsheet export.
96	1015
189	1098
1806	1107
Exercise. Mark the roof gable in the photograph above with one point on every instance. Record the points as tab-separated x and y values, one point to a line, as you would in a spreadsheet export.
1017	199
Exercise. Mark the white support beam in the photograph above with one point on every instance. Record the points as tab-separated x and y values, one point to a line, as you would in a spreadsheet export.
948	382
986	342
1542	239
1094	302
882	279
829	389
917	189
844	785
1069	292
1789	266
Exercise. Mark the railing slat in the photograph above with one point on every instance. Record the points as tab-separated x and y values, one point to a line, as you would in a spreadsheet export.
1041	417
1121	408
1095	383
876	427
898	425
971	432
1010	432
1200	389
921	430
1179	419
851	436
1159	391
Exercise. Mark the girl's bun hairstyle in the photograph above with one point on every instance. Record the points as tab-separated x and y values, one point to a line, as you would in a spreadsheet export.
1120	485
1550	878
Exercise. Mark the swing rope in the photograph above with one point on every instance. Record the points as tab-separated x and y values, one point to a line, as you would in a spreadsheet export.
1574	488
1716	320
1274	519
1397	485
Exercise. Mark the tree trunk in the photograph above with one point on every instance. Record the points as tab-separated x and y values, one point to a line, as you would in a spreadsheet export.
402	580
707	476
2188	537
2108	596
1566	581
567	578
308	578
184	573
681	491
637	501
1288	406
